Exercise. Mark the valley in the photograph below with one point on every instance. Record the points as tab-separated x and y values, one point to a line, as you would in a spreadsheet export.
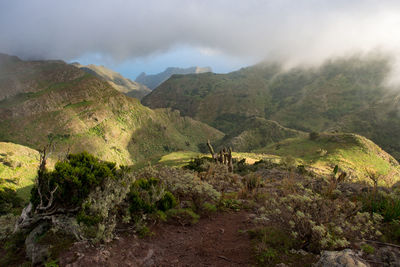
315	165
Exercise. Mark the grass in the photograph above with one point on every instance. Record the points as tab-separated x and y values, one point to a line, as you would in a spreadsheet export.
354	154
18	167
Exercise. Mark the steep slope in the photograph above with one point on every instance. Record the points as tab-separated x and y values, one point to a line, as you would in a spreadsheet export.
343	94
256	132
122	84
355	154
78	111
18	167
154	80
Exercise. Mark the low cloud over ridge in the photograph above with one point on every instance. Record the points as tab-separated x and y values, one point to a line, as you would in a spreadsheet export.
294	31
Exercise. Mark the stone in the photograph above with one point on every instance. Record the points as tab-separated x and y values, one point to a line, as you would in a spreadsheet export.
37	253
344	258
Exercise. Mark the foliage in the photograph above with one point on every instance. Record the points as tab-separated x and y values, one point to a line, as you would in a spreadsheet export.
182	216
9	200
368	249
184	185
14	250
319	222
271	242
7	224
386	204
198	164
148	196
74	178
98	216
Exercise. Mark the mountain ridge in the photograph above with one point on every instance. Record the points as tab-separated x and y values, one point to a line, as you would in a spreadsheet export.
154	80
120	83
345	95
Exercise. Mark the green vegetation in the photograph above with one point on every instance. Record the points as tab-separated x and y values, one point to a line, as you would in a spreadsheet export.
354	154
345	94
74	179
79	111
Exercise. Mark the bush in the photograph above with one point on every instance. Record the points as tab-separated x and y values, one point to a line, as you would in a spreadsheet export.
198	164
270	243
9	200
182	216
75	178
388	205
184	185
148	196
321	223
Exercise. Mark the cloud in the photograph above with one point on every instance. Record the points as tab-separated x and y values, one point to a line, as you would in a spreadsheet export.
296	31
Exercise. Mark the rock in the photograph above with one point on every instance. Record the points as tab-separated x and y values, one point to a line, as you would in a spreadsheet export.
300	252
344	258
37	253
281	265
389	256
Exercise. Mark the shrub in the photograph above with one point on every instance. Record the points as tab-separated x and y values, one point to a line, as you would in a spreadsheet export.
148	196
368	249
198	164
75	178
208	209
9	200
184	185
220	178
270	242
388	205
182	216
321	223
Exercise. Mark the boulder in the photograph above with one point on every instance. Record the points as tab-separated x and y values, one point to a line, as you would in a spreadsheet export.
35	252
344	258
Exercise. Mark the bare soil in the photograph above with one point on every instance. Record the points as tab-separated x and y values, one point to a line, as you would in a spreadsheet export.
218	241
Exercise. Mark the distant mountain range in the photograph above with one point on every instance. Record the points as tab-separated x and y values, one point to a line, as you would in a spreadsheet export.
122	84
154	80
345	95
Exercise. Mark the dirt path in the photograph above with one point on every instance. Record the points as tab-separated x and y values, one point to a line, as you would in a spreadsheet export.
218	241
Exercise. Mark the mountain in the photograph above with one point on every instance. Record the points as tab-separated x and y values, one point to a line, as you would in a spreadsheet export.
43	101
256	132
154	80
116	80
345	95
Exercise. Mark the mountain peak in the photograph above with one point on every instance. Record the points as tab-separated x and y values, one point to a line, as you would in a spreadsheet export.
154	80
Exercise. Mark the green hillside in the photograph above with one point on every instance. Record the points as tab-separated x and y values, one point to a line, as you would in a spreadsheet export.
18	167
344	94
353	153
55	101
255	132
116	80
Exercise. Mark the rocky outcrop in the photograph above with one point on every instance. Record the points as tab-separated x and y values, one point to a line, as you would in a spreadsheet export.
344	258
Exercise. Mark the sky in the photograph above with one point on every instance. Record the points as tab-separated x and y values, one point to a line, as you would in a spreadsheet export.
135	36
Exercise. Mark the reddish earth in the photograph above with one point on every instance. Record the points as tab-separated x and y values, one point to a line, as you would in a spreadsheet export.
218	241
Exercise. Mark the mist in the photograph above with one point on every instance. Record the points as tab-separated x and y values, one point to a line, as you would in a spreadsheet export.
293	32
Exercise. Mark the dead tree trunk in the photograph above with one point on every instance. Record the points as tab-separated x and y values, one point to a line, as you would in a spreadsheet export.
211	149
223	157
229	157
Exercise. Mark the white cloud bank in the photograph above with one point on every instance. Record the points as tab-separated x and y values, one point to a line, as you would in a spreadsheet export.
295	31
